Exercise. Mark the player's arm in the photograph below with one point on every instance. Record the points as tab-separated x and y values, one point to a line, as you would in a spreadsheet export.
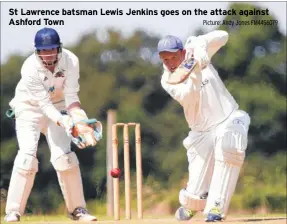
203	47
71	90
214	41
38	93
180	91
90	130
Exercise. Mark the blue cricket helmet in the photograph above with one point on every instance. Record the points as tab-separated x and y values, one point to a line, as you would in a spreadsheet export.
46	39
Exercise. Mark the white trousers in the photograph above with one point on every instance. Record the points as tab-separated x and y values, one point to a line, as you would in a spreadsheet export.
31	122
215	158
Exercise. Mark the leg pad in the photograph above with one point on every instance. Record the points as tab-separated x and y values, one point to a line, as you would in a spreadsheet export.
21	183
70	180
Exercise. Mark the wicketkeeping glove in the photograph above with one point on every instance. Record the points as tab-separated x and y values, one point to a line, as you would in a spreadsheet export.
10	113
87	132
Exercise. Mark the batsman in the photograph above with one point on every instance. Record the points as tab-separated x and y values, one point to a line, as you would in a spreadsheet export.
217	140
46	101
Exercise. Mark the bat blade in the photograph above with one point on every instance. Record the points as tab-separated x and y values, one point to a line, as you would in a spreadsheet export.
182	72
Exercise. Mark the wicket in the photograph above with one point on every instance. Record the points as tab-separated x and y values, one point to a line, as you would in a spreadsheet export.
127	169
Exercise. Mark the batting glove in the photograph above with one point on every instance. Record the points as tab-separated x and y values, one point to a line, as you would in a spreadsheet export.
198	51
201	56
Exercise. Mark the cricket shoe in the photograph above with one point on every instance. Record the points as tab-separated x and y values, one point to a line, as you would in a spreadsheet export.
82	215
12	217
183	214
214	215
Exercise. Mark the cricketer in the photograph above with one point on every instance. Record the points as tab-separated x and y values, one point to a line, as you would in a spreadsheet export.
218	136
46	101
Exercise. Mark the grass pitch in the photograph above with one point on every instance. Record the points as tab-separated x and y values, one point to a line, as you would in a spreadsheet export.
149	220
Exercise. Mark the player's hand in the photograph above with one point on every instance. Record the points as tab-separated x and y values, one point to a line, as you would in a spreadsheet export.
201	56
87	133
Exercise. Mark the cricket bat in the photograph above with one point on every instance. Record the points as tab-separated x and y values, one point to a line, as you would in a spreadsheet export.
183	71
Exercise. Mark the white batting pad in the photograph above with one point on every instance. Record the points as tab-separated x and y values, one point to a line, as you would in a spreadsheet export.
21	182
229	156
191	202
222	187
231	148
70	180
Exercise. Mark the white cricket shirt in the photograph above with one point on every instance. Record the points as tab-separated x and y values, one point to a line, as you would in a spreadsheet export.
205	100
41	88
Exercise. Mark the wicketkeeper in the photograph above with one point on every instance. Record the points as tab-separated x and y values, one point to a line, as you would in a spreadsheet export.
46	101
217	141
